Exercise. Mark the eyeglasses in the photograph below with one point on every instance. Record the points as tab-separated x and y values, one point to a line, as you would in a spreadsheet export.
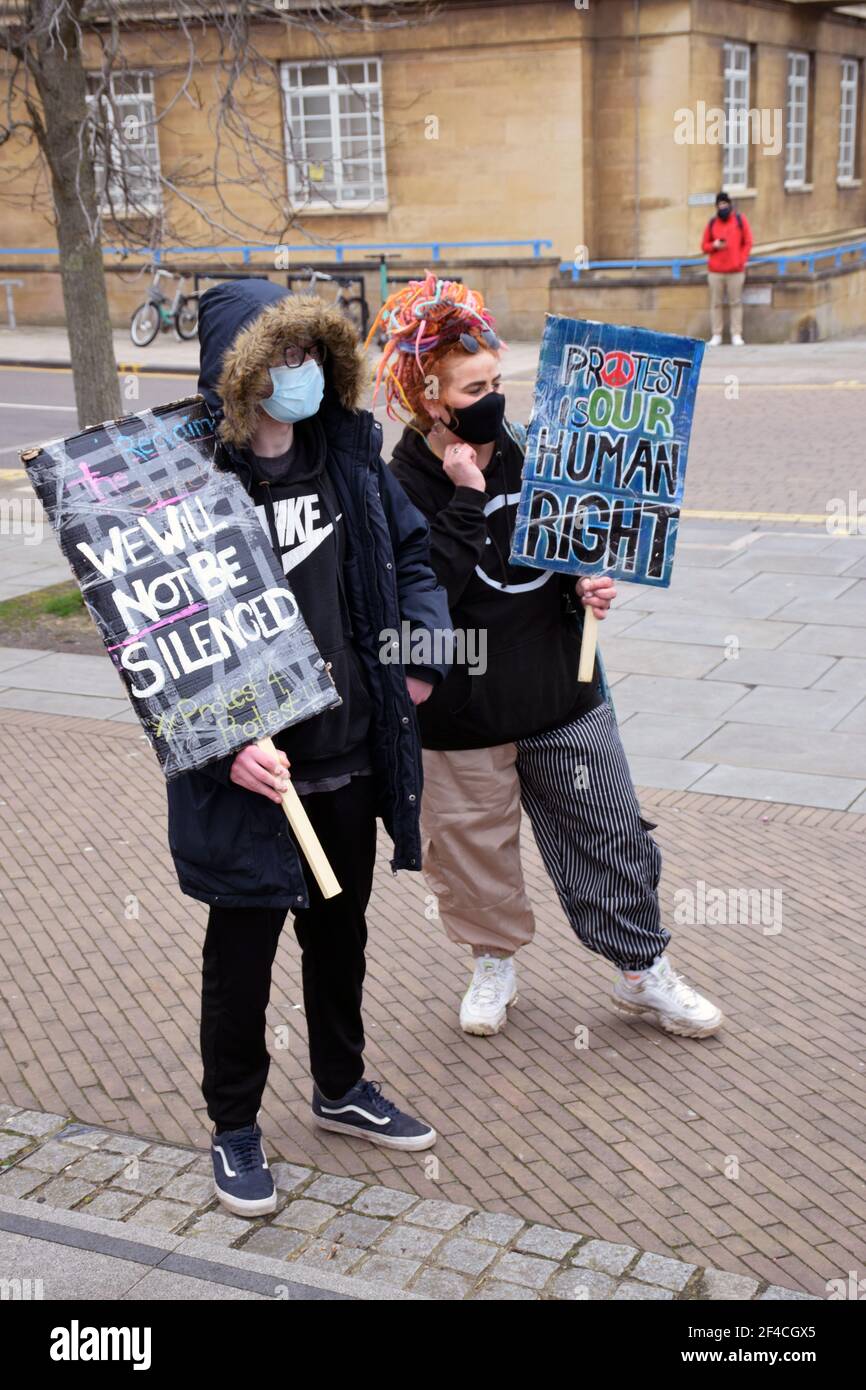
295	354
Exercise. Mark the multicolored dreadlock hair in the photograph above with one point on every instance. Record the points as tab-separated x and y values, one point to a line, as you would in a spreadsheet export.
424	321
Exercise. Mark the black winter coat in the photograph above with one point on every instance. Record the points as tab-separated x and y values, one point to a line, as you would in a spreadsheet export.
233	847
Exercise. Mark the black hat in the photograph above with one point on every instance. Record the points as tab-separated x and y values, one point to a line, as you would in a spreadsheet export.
722	197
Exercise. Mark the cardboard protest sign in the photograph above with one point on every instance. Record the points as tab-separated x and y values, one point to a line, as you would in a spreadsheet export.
182	583
606	451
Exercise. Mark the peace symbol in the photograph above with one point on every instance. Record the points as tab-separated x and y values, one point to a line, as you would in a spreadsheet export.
618	369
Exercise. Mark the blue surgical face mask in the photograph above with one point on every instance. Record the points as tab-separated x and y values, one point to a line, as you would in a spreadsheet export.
297	392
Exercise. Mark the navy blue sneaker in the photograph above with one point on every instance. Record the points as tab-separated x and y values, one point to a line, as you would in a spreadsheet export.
241	1176
365	1113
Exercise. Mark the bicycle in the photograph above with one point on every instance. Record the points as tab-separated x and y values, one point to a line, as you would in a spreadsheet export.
159	313
353	307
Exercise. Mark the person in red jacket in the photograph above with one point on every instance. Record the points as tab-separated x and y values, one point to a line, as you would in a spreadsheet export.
727	243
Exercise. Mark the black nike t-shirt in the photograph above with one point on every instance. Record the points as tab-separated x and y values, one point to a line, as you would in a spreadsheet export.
298	508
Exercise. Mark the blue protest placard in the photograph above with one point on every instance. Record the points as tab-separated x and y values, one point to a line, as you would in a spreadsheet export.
606	451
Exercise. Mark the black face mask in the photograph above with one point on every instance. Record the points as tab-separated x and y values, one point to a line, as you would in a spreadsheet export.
480	422
724	213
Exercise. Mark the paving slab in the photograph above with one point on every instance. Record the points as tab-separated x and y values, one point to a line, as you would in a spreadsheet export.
825	563
619	620
855	543
58	702
786	750
67	1273
704	555
693	699
796	669
849	673
847	611
778	589
689	582
793	788
19	656
825	641
67	674
855	722
672	774
814	544
629	655
657	735
733	607
802	709
715	630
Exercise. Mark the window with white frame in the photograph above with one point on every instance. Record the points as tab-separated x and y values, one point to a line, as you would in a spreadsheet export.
849	83
797	127
735	157
335	140
124	142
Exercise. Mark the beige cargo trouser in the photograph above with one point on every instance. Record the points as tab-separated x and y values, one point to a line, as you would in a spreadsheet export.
575	785
726	284
470	843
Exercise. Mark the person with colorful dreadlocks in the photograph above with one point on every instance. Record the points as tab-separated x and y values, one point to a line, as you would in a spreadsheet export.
522	732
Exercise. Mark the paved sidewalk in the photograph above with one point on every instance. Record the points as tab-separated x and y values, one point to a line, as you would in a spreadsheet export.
836	361
742	698
732	682
147	1217
741	1153
49	347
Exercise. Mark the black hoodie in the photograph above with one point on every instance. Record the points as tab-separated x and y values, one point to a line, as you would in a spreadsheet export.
298	508
529	616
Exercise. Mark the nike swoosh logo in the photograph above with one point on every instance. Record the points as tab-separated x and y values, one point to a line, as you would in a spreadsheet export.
305	550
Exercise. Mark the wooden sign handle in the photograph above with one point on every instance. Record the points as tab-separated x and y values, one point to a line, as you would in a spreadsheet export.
587	645
305	834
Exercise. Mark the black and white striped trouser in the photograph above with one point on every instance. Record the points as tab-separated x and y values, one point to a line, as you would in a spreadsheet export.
576	788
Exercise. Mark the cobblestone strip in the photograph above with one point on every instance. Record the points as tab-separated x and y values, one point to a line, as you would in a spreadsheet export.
432	1248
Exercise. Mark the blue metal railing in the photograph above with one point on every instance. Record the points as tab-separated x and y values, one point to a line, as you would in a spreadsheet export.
676	264
337	250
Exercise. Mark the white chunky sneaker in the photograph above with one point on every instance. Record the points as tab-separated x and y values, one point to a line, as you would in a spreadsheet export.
663	997
485	1003
715	341
737	340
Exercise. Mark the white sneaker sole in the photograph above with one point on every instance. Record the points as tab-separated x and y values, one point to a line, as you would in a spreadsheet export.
679	1027
238	1206
412	1144
484	1028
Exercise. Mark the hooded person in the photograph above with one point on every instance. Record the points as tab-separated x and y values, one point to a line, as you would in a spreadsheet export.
727	243
516	727
283	376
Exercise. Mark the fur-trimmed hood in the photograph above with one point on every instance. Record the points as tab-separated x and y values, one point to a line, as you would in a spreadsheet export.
242	325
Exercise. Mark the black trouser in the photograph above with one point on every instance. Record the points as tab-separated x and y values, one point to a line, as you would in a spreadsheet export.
239	951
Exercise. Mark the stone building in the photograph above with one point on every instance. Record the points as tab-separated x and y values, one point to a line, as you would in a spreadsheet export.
575	131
